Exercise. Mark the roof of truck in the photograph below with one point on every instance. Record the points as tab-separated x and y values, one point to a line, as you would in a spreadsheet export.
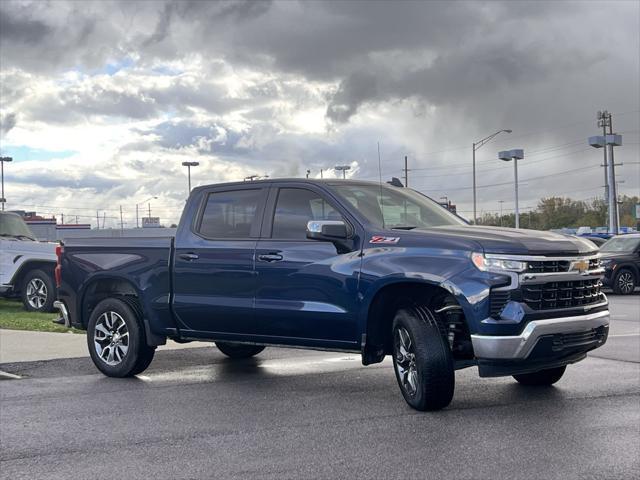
316	181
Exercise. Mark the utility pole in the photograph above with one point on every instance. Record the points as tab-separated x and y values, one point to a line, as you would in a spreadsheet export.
121	223
97	220
406	172
500	202
321	176
614	193
62	217
608	141
2	160
602	122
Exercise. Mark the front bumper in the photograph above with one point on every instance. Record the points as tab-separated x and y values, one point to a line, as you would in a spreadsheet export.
519	347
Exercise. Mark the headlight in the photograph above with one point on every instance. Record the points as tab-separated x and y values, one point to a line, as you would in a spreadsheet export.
606	262
483	263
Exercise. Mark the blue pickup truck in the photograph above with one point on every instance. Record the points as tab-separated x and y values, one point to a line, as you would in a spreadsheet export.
345	266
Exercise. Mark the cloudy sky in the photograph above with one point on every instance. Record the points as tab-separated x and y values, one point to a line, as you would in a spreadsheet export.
101	102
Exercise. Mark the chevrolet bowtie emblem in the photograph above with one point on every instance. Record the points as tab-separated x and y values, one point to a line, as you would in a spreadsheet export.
580	265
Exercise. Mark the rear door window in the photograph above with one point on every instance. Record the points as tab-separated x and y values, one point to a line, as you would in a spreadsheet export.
230	214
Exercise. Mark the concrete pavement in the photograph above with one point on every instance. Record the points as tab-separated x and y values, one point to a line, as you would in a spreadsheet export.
27	346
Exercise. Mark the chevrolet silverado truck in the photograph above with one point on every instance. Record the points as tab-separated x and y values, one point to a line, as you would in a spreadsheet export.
26	265
340	265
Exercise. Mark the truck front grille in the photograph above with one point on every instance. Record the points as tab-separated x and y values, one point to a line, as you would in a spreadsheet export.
548	266
556	266
553	295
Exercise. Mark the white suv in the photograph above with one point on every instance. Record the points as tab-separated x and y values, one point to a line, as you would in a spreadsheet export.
26	265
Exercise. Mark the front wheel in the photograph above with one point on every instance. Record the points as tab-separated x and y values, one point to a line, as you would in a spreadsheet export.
624	282
239	350
422	360
543	377
116	339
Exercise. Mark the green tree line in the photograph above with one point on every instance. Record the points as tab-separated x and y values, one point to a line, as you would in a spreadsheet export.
561	212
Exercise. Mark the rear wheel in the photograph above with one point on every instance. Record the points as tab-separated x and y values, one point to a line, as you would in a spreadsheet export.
38	291
624	282
422	360
116	339
239	350
543	377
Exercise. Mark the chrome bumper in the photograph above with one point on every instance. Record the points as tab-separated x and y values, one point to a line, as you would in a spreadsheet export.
63	312
520	346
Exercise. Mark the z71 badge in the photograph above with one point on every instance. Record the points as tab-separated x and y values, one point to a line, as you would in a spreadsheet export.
381	239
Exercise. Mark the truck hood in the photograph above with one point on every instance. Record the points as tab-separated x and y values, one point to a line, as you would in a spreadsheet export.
513	241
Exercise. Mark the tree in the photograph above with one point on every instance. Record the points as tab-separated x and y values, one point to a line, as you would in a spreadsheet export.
561	212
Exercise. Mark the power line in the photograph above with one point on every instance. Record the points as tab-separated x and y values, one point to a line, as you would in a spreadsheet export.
523	180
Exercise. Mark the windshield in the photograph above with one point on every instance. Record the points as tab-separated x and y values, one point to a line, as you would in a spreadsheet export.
620	244
12	225
400	208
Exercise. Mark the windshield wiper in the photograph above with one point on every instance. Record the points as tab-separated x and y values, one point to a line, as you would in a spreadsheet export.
404	227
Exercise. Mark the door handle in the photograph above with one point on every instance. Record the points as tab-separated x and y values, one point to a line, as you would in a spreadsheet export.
270	257
188	256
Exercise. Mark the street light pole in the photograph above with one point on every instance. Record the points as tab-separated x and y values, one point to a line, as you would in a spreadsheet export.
189	165
515	155
476	146
344	169
137	216
500	202
2	160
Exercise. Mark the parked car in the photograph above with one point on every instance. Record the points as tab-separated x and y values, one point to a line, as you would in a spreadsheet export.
346	266
26	265
597	240
621	259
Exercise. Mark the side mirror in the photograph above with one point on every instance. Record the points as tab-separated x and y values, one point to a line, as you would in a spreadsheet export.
327	230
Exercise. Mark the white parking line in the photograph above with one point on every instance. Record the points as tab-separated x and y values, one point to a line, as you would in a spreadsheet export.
625	335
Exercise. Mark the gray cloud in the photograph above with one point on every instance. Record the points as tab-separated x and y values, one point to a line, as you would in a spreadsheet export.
420	77
7	122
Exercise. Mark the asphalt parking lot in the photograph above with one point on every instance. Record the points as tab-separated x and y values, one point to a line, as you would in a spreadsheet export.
301	414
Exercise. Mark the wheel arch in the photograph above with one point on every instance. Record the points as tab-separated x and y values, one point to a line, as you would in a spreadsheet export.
112	286
386	300
29	266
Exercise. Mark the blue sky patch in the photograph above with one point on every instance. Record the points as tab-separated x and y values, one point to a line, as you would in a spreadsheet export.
23	152
114	67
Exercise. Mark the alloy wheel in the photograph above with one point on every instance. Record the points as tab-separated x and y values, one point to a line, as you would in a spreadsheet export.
625	282
36	293
406	361
111	338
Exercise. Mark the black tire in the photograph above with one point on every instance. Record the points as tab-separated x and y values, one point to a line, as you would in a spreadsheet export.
239	350
430	363
138	354
625	282
541	378
32	295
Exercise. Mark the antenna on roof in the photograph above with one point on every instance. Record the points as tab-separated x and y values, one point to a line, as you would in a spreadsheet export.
380	183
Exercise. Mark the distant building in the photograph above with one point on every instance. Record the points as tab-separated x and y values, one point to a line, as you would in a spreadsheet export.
449	206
